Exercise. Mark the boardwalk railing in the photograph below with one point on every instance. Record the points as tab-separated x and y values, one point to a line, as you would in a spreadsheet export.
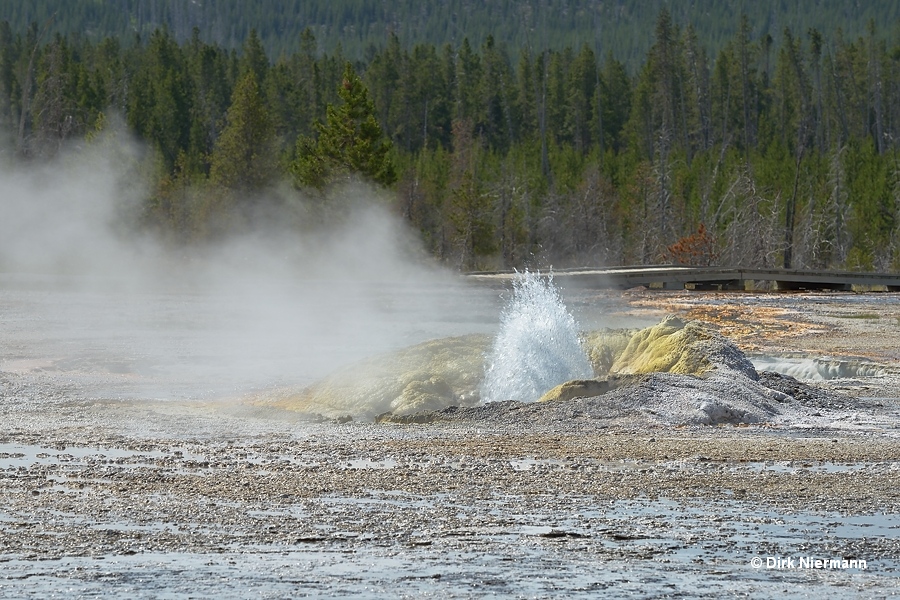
705	278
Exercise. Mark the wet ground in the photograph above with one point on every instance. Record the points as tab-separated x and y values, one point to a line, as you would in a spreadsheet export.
329	511
107	490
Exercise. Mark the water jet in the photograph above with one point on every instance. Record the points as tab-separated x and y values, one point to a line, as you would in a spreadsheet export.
538	346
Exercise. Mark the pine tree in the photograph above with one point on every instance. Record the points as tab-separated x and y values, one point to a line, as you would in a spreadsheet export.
582	84
350	142
243	158
614	103
159	100
253	58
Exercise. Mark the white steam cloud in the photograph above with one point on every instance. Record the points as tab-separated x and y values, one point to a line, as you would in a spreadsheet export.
86	295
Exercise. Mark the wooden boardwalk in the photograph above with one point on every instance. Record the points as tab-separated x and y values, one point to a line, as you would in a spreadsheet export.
712	278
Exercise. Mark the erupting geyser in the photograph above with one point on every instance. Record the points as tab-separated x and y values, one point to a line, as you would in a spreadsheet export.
538	346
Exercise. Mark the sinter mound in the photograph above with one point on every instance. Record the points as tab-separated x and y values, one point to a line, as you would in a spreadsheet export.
675	372
426	377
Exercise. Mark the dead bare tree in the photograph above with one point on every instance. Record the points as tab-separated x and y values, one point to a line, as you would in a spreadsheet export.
888	258
27	84
752	236
838	209
54	110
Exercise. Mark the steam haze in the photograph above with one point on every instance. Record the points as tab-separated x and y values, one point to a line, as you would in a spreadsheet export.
87	294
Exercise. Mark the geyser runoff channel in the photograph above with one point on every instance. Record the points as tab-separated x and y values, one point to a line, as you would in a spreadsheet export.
538	346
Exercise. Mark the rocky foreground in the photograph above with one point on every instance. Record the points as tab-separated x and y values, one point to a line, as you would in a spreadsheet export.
84	480
574	497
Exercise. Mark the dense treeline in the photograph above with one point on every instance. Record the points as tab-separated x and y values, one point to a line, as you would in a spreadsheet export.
623	27
766	154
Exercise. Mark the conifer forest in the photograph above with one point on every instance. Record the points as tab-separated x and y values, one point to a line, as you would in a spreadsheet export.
764	147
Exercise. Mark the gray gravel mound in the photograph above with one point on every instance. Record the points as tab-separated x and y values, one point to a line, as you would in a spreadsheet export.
662	399
806	395
723	396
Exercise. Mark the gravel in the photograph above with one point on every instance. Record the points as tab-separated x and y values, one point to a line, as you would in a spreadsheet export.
102	495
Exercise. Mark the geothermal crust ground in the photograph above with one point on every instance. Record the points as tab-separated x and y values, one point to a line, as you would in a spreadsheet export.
103	495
